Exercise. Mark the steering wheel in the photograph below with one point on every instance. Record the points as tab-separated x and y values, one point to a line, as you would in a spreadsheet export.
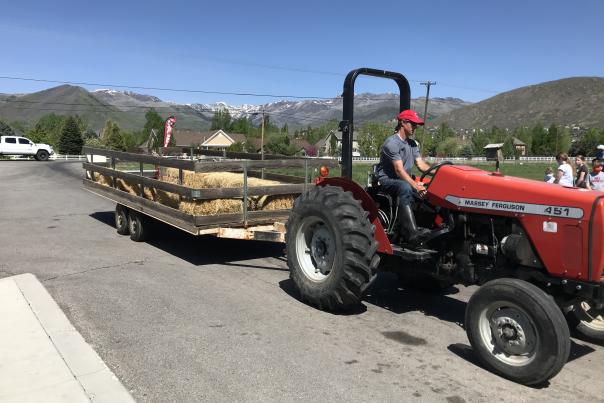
432	170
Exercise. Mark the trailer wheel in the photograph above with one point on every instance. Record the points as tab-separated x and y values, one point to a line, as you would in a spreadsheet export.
587	320
138	225
121	219
331	251
42	155
517	331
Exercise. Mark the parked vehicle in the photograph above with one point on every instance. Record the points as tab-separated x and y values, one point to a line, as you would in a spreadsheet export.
535	250
16	145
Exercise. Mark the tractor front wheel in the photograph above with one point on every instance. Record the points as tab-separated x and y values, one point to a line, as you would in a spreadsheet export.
331	251
517	331
587	320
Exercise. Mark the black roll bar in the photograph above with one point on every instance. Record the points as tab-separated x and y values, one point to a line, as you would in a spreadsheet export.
347	125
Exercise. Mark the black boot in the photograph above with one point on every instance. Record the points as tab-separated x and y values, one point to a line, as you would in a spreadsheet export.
410	233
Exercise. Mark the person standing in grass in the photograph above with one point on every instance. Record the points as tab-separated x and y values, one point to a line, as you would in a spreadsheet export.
564	175
581	172
595	179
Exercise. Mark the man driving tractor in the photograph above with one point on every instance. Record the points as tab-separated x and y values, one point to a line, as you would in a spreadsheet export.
398	155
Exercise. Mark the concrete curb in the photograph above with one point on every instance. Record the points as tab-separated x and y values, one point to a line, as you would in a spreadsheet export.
94	377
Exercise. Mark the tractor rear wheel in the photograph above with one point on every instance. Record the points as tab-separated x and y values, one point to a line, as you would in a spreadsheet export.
517	331
331	251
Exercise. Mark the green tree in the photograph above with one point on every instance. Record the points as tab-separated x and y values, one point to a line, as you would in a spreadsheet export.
111	136
38	134
221	120
588	142
448	148
371	137
540	144
480	138
241	125
5	129
71	140
333	145
154	123
238	147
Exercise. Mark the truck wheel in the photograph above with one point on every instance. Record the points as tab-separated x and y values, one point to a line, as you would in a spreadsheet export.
138	226
42	155
121	220
588	321
331	251
517	331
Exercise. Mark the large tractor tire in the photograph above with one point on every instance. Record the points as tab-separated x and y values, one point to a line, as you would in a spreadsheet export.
331	251
517	331
588	321
121	219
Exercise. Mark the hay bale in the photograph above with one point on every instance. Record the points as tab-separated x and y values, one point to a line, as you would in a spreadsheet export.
168	198
211	207
104	180
217	180
133	189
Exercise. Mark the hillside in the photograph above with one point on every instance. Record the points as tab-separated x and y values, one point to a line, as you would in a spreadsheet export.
577	101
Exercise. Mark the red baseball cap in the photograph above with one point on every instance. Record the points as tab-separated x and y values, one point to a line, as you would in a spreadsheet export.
411	116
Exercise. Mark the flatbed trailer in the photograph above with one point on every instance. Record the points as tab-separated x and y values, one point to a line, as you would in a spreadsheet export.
251	225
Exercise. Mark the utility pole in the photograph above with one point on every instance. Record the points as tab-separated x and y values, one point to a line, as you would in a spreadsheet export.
427	84
262	138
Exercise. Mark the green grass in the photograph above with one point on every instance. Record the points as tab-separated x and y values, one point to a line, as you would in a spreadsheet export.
534	171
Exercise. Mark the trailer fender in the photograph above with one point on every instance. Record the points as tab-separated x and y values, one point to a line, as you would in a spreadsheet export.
368	205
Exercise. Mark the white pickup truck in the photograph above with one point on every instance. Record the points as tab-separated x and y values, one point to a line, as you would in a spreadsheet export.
15	145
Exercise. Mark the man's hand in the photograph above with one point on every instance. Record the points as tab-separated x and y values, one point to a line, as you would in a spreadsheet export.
420	189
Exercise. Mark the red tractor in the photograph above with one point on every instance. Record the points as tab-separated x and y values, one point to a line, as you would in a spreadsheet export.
535	249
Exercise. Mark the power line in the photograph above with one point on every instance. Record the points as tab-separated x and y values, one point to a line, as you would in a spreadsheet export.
249	94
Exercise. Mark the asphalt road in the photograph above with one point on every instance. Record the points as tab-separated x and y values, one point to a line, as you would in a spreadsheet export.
182	318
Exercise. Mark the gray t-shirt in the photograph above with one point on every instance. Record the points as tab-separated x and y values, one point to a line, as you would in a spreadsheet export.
394	149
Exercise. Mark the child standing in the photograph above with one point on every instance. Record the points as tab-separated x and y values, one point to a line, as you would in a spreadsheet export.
595	179
549	175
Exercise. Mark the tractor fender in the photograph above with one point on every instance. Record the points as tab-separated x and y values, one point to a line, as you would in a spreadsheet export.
368	205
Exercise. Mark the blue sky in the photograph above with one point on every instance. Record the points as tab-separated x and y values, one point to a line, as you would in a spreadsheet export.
472	49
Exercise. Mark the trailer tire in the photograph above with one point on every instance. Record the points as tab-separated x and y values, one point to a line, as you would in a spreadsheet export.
121	219
42	155
138	225
331	250
517	331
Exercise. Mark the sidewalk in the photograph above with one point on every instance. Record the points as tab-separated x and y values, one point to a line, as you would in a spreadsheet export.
43	358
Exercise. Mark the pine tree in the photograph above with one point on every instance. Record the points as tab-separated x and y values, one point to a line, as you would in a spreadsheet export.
111	136
70	141
6	130
221	120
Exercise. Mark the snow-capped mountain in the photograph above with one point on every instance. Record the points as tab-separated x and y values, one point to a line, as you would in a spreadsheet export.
378	107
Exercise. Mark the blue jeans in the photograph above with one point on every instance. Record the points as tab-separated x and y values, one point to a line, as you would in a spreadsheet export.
399	189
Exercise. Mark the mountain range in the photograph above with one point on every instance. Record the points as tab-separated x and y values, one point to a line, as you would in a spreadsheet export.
576	101
128	108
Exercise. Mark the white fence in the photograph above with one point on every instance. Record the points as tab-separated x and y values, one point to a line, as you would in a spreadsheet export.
63	157
461	160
